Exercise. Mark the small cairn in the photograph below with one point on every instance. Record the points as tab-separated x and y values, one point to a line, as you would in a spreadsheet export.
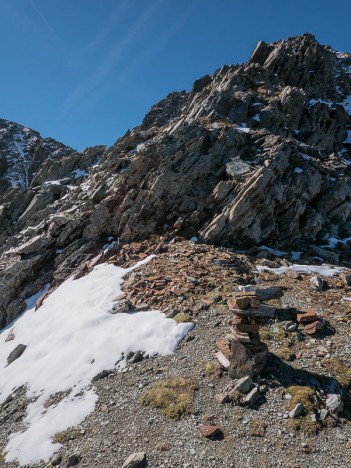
242	351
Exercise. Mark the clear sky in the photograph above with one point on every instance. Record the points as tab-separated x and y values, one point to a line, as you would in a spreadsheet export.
84	71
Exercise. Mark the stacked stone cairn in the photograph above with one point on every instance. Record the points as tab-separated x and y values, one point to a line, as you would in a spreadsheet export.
242	351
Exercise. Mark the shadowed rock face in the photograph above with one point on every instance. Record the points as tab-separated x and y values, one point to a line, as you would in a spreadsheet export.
257	153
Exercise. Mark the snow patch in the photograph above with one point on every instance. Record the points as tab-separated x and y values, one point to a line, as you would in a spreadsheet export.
71	338
79	173
333	241
298	170
347	104
313	102
296	255
243	128
109	245
319	270
31	301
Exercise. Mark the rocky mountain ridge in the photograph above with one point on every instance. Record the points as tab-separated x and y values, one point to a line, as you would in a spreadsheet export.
259	153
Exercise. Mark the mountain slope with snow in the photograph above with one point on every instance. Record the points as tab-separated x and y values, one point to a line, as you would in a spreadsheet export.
256	157
74	335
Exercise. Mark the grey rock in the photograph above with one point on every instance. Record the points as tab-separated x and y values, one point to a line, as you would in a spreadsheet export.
56	460
121	307
237	168
101	375
334	403
243	385
246	288
133	358
73	460
267	294
16	353
322	350
297	411
135	460
172	313
251	397
347	280
266	311
319	283
290	327
260	53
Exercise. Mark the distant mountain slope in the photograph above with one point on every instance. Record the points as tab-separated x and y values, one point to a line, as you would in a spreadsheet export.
22	152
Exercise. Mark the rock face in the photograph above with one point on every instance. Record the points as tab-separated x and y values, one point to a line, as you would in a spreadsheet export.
257	153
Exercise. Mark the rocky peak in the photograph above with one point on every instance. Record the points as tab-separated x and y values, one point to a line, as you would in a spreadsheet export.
256	153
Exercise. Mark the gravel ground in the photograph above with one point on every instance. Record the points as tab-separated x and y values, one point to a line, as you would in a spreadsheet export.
260	436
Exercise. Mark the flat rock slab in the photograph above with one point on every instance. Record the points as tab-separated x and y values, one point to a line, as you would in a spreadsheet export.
267	294
307	316
243	385
251	397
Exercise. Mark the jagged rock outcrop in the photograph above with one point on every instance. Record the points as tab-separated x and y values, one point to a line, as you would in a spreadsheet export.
257	153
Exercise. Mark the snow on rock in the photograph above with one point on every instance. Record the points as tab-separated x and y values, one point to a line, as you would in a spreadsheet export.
111	243
306	156
296	255
345	299
333	241
31	301
347	104
79	173
313	102
243	128
319	270
70	339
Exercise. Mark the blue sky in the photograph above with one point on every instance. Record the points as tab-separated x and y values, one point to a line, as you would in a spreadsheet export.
84	71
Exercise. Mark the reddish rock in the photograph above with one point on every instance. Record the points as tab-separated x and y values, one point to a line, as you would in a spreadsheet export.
224	346
241	303
222	398
211	431
307	316
313	327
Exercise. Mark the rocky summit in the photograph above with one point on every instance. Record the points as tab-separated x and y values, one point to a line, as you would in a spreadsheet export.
226	185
